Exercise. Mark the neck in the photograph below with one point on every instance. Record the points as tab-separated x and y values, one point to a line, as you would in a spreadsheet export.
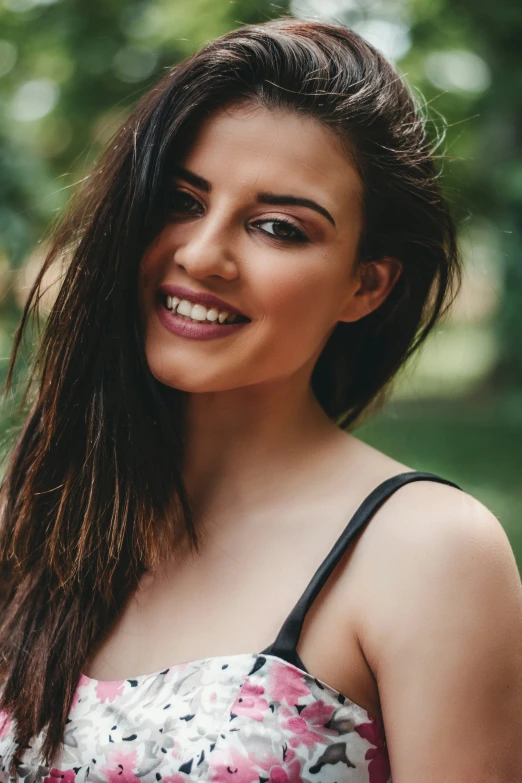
246	446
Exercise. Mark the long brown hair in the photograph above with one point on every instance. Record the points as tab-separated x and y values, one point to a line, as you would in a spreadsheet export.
84	508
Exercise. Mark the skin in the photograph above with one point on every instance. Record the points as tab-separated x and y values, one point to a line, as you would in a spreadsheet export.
421	623
252	390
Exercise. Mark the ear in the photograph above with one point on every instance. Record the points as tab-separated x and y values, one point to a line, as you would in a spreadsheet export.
373	282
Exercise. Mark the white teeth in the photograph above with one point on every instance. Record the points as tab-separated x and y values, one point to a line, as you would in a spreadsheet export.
184	307
198	312
172	301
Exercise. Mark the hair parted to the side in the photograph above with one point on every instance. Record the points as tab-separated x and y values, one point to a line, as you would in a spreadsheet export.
84	508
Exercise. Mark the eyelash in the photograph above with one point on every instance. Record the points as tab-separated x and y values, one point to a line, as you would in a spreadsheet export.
300	235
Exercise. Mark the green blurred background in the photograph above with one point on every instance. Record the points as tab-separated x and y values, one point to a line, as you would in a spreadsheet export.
70	72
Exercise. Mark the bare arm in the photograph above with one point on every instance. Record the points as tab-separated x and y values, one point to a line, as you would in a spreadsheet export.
446	646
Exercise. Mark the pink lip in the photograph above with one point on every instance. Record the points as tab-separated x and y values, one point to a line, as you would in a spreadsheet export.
184	327
208	300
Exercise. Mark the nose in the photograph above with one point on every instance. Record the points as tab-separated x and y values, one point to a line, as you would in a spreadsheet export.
207	248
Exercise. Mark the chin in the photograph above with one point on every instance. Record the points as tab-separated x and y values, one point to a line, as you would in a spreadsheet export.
186	382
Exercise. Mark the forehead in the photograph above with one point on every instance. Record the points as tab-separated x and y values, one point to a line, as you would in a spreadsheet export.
275	149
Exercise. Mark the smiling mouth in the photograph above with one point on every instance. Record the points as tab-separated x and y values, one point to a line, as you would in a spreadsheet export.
199	313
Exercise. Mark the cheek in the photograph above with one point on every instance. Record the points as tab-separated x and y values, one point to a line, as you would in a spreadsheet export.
305	300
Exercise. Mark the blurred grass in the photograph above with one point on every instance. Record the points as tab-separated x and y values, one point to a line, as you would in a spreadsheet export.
477	443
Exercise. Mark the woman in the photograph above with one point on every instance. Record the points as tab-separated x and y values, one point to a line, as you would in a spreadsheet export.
258	252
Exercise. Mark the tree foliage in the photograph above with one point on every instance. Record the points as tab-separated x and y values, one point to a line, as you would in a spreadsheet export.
70	71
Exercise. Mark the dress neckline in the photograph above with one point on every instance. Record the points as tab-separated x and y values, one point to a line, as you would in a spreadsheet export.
139	678
227	659
284	648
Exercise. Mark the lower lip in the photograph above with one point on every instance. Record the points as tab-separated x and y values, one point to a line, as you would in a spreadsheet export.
195	330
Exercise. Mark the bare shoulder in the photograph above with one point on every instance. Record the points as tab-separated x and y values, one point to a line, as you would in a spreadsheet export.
427	516
424	514
423	518
427	543
441	628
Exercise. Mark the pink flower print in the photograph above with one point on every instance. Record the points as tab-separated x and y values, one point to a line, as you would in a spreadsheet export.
287	684
249	702
109	690
59	776
120	767
231	765
5	724
176	750
278	774
379	767
309	727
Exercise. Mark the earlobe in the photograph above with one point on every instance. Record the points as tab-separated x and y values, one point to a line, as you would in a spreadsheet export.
376	280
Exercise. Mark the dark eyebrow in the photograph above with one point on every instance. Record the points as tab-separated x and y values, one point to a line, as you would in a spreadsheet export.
261	198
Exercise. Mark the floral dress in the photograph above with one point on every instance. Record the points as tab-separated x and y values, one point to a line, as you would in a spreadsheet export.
245	718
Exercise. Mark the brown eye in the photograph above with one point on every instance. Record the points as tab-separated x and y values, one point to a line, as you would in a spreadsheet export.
180	201
284	230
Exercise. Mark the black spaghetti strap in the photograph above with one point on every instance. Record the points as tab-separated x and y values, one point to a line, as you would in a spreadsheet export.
288	637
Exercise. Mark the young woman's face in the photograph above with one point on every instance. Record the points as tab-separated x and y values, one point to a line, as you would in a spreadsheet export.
289	268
